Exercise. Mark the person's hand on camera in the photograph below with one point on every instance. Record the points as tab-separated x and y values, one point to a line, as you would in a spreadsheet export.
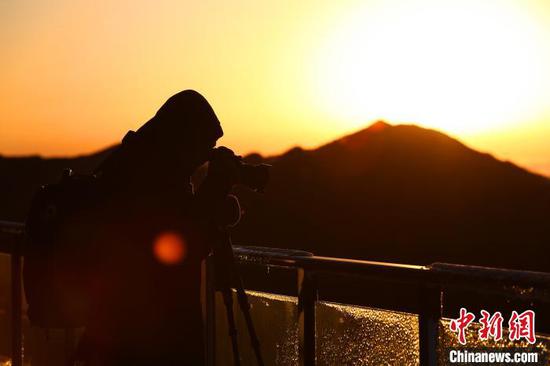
224	166
223	173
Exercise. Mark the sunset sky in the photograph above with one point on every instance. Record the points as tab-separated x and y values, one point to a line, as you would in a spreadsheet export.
76	75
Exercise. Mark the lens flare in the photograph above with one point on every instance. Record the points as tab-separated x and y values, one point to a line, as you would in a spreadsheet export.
169	248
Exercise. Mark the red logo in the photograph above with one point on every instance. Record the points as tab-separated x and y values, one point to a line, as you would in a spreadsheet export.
491	326
461	324
520	326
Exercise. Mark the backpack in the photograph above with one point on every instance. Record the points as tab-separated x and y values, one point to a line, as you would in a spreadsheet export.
58	267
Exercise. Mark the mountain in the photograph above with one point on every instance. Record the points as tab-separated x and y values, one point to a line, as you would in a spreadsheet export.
402	194
396	193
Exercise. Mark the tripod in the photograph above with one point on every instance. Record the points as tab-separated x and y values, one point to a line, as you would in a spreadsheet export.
227	277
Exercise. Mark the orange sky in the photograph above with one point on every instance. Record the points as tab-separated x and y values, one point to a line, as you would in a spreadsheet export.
76	75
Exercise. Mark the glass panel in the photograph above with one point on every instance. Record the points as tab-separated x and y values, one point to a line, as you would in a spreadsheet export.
448	340
275	321
5	309
353	335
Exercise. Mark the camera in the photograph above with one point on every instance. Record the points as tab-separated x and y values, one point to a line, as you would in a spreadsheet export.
253	176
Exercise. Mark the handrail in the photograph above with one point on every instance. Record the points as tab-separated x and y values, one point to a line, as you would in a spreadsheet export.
10	227
464	276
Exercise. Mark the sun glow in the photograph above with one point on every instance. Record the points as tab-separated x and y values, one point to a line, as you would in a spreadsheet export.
462	66
76	75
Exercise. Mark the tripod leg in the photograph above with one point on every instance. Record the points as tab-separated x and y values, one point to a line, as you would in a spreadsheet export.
245	308
225	259
228	302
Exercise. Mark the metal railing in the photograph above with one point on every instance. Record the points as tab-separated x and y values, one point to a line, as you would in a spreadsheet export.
429	281
11	234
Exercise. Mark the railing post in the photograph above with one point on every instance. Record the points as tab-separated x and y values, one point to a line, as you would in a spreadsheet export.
307	296
428	323
210	299
16	303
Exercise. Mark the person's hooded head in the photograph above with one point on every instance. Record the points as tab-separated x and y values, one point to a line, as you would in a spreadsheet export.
184	128
179	138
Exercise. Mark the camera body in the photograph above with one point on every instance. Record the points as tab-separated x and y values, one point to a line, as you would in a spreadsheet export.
253	176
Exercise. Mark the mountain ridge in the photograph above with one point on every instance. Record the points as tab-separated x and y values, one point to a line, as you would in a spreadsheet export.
407	186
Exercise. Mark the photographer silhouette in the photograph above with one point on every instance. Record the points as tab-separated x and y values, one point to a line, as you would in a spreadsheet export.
152	233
